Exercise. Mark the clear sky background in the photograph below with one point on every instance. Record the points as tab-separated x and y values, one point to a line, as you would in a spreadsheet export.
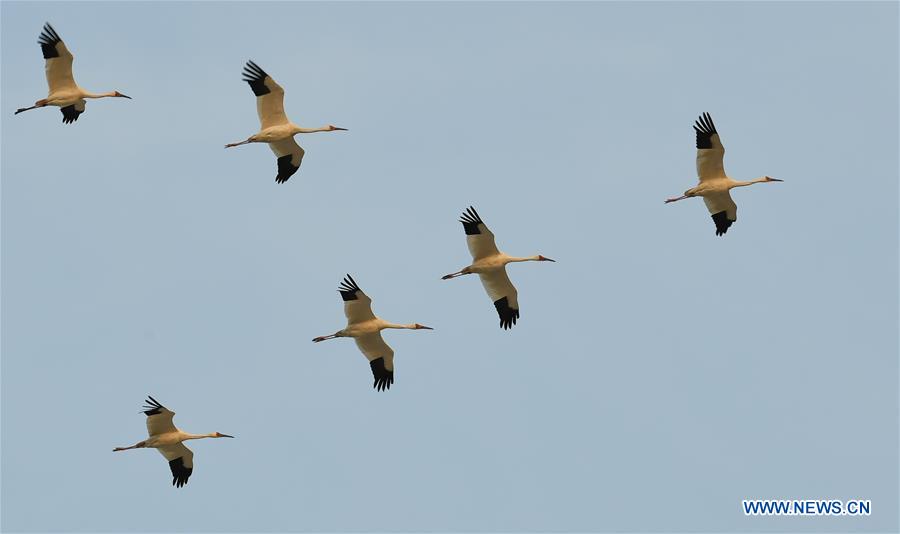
658	374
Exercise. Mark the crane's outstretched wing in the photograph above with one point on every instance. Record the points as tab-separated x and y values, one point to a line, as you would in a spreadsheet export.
357	305
710	151
290	155
381	359
159	418
58	64
181	462
269	96
478	237
504	295
723	210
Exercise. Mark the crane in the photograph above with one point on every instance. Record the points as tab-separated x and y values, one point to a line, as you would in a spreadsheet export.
169	441
275	128
490	265
715	185
364	327
64	92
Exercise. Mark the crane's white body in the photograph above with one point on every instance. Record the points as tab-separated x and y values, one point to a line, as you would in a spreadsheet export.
365	328
715	186
275	128
490	265
62	91
168	440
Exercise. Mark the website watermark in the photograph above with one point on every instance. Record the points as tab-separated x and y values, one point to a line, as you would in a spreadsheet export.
806	507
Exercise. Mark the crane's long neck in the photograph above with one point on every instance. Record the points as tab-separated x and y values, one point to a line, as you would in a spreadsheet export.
514	259
298	129
398	326
198	436
88	94
736	183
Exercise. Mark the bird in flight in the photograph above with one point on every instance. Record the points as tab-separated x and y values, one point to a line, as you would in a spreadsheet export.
64	93
490	265
714	185
275	128
364	327
168	440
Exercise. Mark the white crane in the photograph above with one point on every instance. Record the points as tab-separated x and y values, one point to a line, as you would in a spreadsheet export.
168	440
714	184
365	328
275	128
64	92
490	265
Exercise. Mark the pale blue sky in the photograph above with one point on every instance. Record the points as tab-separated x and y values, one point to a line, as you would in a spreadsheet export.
658	374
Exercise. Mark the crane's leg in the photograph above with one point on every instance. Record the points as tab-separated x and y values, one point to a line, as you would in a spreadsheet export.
38	104
137	445
682	197
229	145
323	338
453	275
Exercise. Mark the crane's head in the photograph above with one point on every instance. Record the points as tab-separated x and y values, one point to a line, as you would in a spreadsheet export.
542	258
418	326
333	128
120	95
221	435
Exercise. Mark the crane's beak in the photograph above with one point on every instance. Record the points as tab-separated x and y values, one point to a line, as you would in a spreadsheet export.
123	96
224	435
542	258
774	179
341	129
423	327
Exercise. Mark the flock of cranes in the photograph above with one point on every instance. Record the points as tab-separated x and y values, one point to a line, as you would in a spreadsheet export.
362	324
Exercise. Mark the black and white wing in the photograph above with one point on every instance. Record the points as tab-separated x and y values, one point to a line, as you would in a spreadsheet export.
71	112
58	61
381	359
710	151
504	295
289	155
159	418
357	305
181	462
479	239
269	96
723	210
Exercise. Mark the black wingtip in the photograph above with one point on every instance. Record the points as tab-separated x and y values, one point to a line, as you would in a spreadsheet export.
349	283
255	76
348	288
470	221
382	377
180	473
508	315
705	129
48	40
70	114
152	406
286	169
723	223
